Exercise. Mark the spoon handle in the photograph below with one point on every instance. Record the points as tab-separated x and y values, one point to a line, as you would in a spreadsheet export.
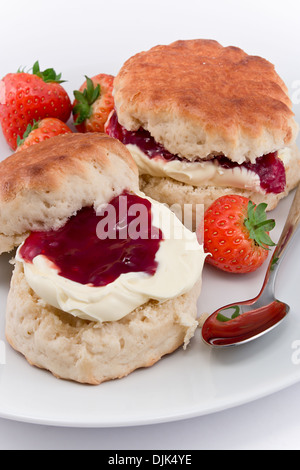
289	229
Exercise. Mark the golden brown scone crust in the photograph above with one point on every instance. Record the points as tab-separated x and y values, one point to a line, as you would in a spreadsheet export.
45	166
197	97
91	352
45	184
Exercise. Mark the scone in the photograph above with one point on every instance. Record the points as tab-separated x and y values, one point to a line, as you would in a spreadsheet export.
202	120
94	352
106	279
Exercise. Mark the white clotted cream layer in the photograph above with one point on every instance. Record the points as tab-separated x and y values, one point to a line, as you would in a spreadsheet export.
180	261
204	173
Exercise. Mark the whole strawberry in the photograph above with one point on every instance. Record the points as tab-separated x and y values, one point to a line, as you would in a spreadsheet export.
25	97
93	103
236	234
42	130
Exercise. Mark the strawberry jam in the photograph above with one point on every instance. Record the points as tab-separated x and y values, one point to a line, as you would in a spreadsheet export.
82	254
269	167
141	138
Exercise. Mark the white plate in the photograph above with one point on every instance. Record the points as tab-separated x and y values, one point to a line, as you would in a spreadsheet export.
185	384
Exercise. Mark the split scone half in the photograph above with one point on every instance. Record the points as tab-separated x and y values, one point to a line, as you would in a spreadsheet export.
106	280
202	120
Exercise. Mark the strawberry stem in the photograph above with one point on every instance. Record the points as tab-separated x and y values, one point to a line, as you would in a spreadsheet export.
85	100
48	75
258	225
29	128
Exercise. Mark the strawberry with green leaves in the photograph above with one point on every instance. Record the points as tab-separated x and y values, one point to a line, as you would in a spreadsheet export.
93	103
25	97
236	234
42	130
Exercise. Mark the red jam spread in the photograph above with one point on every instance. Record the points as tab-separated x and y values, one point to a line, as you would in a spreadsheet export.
269	167
243	326
81	256
141	138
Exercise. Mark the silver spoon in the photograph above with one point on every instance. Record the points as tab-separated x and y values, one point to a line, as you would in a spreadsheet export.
237	324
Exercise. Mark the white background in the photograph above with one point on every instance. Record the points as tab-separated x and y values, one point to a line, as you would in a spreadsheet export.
97	36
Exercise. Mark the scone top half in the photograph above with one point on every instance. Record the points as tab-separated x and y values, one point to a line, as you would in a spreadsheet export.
42	186
199	98
215	107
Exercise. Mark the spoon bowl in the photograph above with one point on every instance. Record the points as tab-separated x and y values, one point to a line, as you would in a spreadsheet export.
241	322
250	322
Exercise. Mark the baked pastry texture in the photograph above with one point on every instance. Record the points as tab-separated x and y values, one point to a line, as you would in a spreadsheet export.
43	185
92	352
41	188
197	97
199	100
